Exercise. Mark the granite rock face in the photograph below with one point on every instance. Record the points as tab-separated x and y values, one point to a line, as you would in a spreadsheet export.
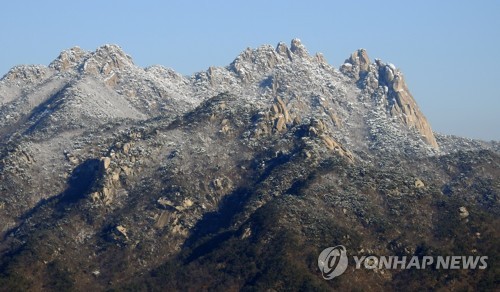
385	82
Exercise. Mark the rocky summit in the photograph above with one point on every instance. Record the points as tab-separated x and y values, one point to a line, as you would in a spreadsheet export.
117	177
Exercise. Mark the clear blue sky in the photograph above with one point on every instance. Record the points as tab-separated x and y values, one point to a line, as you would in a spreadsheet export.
449	51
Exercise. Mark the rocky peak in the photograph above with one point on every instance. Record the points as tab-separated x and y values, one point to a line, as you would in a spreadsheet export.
400	104
356	65
283	50
298	48
69	59
261	60
255	62
107	59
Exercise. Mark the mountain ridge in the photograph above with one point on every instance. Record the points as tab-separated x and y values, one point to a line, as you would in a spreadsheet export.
362	110
110	58
116	176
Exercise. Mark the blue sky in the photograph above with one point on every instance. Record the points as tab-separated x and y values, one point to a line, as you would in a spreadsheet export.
449	51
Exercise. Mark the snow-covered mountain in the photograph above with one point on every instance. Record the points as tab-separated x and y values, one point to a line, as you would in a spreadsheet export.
143	163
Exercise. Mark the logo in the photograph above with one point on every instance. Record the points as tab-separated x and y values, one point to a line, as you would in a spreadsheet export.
332	262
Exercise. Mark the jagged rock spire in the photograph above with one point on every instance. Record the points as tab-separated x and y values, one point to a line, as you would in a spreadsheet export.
298	48
283	50
357	64
400	103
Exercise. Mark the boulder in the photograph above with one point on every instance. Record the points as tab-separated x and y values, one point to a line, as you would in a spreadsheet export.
122	231
419	184
463	212
105	161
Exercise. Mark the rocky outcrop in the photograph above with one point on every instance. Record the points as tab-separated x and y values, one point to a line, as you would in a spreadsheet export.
401	103
280	115
283	50
252	64
357	65
317	129
105	62
106	59
276	120
69	59
383	79
298	49
419	184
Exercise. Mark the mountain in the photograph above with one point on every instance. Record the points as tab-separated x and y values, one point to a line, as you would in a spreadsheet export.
114	176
